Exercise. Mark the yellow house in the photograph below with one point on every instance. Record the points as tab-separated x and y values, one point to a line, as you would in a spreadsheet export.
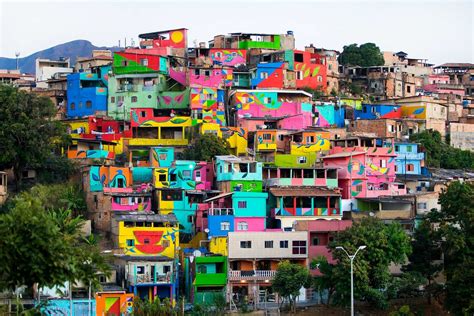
310	142
143	234
168	132
218	245
266	141
77	127
160	177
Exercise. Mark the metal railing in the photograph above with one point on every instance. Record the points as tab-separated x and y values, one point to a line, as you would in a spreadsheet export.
221	211
149	278
252	275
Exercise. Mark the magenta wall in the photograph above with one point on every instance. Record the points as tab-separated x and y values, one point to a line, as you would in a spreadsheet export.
255	224
131	204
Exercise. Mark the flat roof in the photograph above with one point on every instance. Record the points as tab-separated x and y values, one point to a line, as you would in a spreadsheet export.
344	154
277	91
147	217
157	34
303	191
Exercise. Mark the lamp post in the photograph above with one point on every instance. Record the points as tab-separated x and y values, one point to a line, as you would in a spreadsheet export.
352	257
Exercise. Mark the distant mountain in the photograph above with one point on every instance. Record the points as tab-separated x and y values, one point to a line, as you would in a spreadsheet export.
73	49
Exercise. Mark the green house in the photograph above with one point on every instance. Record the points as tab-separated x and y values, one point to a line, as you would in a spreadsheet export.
210	278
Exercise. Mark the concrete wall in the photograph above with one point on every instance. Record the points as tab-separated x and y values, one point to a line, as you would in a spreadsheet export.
462	136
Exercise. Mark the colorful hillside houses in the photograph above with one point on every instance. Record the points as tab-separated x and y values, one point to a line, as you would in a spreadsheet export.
304	161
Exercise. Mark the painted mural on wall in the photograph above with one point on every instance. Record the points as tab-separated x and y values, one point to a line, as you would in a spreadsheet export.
321	143
418	112
211	78
62	307
228	57
108	177
152	241
148	120
210	103
131	62
260	104
114	303
269	75
90	154
237	137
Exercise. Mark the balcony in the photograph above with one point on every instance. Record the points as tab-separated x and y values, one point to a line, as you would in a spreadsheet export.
221	211
157	142
210	279
238	275
149	279
411	156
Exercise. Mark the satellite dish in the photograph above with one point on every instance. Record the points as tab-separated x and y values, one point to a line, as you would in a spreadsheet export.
371	214
206	230
197	253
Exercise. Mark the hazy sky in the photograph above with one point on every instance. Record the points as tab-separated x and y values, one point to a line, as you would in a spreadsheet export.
441	31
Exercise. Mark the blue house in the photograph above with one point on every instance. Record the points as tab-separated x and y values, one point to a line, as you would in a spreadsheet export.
232	168
86	94
376	111
409	160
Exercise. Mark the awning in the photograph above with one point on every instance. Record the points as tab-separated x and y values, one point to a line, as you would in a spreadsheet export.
217	197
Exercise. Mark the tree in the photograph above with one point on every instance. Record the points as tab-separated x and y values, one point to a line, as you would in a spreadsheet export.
365	55
326	281
386	244
206	147
28	132
45	247
456	233
426	249
289	279
440	155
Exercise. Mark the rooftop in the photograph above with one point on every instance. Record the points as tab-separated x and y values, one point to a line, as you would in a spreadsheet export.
148	217
304	191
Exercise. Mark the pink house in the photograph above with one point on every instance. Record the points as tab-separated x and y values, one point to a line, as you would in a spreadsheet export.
365	172
320	234
251	224
131	202
210	77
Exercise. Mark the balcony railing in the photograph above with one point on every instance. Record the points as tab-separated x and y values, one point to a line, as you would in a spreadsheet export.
147	278
221	211
251	275
418	156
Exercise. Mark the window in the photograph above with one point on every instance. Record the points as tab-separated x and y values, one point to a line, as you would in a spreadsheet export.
186	174
190	218
409	149
130	242
242	204
408	89
207	73
144	62
268	243
120	183
202	269
267	100
246	244
267	136
410	167
124	63
299	57
302	159
263	75
112	99
315	241
383	163
283	243
299	247
134	99
166	269
73	106
162	177
146	241
225	226
397	148
320	78
140	270
171	195
242	226
391	128
143	113
422	206
358	188
299	75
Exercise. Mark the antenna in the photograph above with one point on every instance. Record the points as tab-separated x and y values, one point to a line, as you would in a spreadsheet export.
17	54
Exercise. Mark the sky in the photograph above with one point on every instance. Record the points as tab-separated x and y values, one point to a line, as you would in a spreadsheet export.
441	31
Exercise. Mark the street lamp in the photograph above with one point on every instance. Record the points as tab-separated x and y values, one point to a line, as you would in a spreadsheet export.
352	257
